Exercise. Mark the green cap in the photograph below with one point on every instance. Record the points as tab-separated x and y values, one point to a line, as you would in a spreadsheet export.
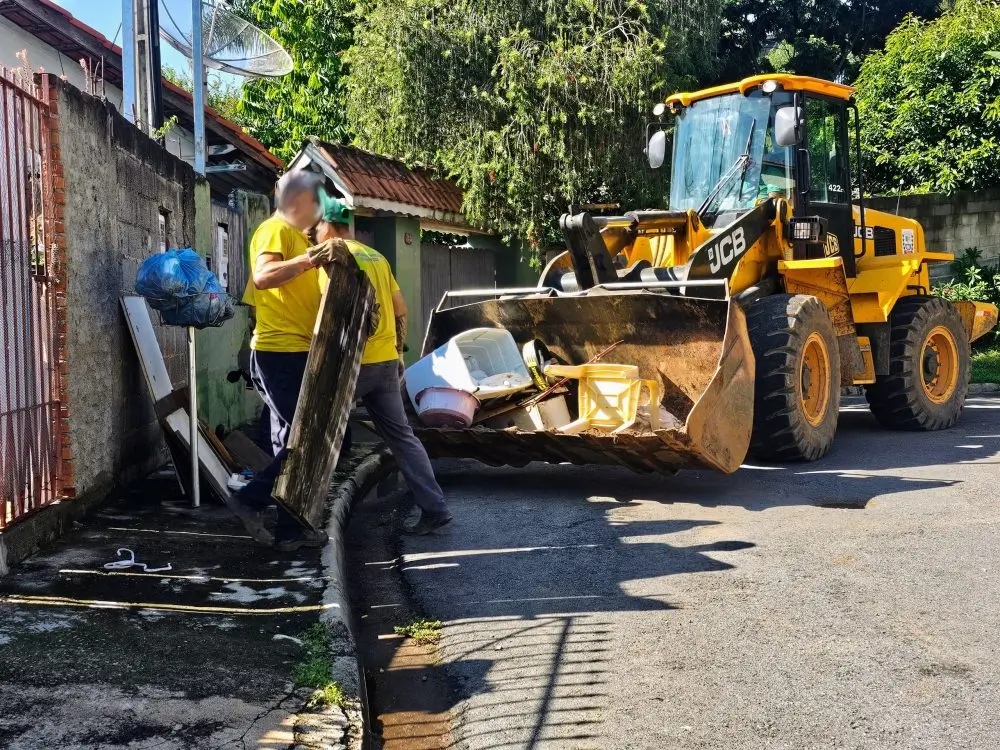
334	210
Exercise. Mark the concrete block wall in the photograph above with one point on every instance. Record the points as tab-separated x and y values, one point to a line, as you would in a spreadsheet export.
117	182
952	223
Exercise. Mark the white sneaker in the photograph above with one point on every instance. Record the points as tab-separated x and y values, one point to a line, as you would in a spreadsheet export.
237	482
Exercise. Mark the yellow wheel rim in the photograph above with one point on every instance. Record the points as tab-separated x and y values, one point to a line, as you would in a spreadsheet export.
814	379
939	365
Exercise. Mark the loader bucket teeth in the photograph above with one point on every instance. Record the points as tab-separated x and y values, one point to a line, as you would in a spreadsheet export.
697	349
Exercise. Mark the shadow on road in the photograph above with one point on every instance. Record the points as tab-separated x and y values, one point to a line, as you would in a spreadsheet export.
542	559
866	461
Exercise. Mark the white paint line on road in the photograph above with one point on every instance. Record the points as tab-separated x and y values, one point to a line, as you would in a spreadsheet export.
198	578
477	552
179	533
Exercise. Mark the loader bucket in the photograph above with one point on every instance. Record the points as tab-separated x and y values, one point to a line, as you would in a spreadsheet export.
698	349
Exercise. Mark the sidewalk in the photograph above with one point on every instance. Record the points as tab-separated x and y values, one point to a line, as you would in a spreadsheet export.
192	657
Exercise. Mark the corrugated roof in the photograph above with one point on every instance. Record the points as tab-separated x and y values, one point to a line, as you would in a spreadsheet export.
375	176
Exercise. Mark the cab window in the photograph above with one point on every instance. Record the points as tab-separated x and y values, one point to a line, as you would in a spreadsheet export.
829	174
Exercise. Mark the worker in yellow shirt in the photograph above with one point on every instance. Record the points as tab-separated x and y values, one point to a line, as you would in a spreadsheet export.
287	290
381	364
286	293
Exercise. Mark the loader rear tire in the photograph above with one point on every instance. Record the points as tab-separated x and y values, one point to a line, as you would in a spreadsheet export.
797	386
928	376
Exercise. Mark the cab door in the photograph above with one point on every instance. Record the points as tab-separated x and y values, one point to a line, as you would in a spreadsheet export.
826	189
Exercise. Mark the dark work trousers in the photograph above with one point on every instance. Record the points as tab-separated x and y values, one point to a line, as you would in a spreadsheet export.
378	388
278	378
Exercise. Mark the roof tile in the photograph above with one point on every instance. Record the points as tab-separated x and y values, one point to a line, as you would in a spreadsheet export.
374	176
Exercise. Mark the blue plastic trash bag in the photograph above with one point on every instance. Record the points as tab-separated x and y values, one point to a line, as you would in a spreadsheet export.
179	285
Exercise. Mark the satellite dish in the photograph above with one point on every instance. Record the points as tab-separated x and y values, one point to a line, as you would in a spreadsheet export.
230	43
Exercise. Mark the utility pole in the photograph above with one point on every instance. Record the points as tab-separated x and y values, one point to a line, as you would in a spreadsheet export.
128	60
198	66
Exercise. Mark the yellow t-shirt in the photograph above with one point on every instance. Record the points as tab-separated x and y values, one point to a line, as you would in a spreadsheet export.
286	315
381	346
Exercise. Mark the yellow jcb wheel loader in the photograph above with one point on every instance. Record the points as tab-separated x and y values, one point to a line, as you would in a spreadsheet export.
752	300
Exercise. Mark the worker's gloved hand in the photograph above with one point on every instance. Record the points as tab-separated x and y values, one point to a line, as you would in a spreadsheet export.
327	252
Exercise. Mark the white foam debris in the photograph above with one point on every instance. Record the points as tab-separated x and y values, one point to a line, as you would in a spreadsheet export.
237	592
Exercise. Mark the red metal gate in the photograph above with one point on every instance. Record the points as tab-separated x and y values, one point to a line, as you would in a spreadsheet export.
29	386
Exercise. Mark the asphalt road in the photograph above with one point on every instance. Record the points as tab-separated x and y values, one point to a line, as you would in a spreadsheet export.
849	603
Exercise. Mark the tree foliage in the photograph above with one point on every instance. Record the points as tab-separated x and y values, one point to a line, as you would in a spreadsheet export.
823	38
530	106
930	103
222	95
284	112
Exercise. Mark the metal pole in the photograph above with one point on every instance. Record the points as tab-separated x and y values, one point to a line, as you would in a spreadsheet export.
198	61
128	60
154	66
192	385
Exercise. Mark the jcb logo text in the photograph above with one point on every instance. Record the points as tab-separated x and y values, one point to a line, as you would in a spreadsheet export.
726	250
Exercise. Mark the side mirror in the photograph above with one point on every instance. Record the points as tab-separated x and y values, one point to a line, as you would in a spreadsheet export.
656	150
786	126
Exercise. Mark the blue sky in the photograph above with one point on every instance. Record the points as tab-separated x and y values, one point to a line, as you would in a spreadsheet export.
106	17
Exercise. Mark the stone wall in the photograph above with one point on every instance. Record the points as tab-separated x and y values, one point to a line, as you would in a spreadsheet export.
117	184
952	223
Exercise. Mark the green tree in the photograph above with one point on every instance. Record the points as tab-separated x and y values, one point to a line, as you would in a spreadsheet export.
823	38
223	95
284	112
529	106
930	103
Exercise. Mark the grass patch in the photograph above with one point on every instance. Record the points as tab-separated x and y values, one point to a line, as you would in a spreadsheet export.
314	669
986	365
424	632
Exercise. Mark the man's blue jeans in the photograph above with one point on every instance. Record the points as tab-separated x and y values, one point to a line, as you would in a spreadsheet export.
378	388
278	377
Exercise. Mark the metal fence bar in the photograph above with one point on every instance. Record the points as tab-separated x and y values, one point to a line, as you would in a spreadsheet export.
29	396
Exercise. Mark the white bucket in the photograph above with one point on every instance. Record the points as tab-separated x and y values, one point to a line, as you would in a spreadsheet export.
446	407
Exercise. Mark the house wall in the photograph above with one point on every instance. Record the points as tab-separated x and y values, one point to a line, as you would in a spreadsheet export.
13	39
221	403
952	223
117	181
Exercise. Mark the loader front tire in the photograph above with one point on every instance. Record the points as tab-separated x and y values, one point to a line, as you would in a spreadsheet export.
928	367
797	385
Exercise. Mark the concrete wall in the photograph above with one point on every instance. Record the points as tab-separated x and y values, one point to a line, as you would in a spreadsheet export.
952	223
13	39
116	183
221	403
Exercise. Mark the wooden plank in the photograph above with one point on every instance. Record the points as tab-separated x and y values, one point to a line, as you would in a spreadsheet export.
246	452
327	394
154	369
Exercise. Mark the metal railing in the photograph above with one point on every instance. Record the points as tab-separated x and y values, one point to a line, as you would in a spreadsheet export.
30	468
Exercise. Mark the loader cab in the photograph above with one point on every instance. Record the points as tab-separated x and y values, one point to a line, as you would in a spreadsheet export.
766	137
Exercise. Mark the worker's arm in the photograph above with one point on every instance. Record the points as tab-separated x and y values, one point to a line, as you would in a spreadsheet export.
399	311
273	271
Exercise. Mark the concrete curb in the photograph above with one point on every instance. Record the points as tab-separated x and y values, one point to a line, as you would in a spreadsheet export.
347	669
974	389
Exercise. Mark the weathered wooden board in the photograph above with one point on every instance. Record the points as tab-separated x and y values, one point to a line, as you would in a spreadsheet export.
246	452
155	371
327	394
